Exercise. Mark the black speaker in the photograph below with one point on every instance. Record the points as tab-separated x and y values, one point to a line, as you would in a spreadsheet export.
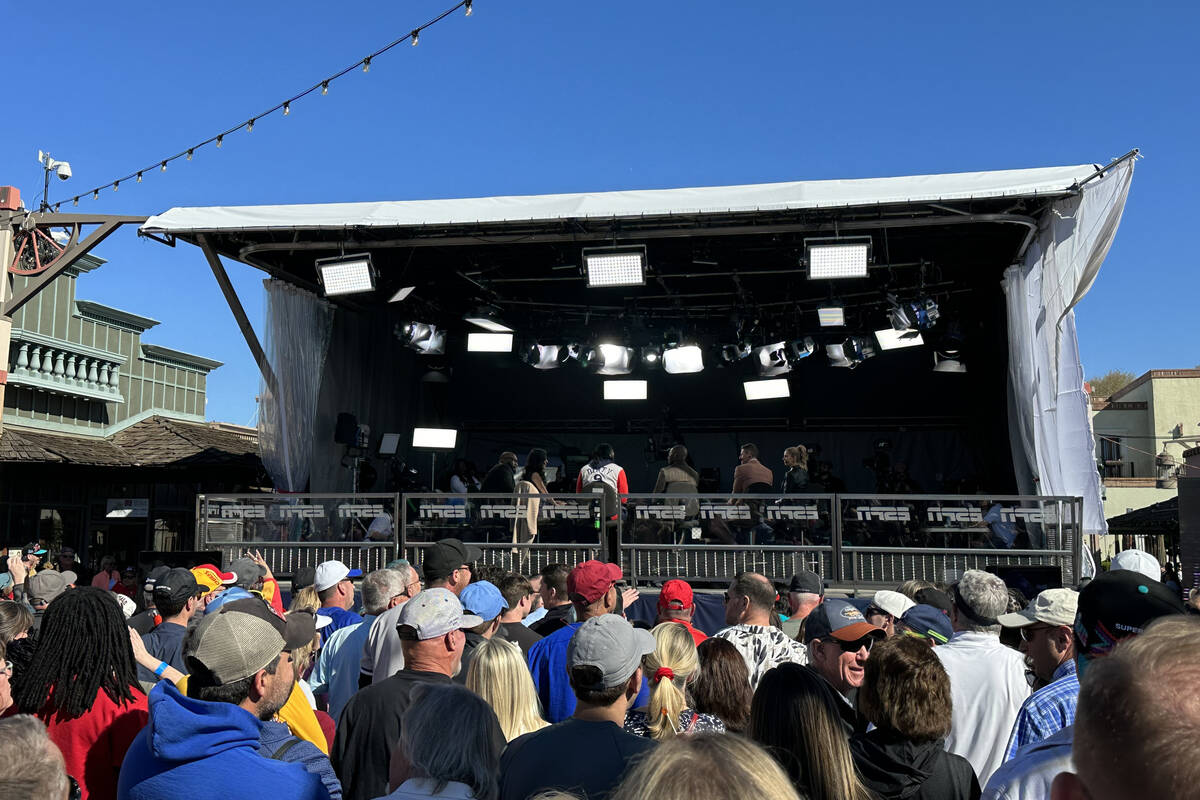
346	430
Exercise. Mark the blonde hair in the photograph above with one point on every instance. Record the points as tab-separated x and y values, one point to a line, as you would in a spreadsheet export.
713	765
306	654
305	600
800	453
674	650
498	673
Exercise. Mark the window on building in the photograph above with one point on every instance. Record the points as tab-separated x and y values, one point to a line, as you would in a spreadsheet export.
1110	456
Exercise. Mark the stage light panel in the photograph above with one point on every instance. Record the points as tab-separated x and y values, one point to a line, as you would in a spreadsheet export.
542	356
616	266
943	363
611	359
624	390
389	443
831	316
346	275
682	360
772	360
850	353
489	342
830	259
488	319
435	438
403	292
892	339
767	390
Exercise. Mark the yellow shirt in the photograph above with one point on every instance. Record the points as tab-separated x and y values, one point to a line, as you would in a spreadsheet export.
296	713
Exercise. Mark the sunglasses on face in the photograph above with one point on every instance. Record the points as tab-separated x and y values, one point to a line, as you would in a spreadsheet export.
853	647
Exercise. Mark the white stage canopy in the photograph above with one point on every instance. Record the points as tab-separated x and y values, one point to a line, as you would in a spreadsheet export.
793	195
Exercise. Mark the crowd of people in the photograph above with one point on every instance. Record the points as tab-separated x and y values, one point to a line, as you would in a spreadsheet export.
453	679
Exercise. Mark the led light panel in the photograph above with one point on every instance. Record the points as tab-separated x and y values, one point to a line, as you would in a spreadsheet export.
435	438
404	292
681	360
624	390
890	339
389	443
826	261
346	277
831	316
489	342
489	324
766	390
615	269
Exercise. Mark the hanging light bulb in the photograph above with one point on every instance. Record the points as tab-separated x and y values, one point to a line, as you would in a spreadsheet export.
324	87
416	37
75	201
115	185
96	195
367	64
164	167
468	8
56	206
220	139
250	126
189	155
287	109
139	180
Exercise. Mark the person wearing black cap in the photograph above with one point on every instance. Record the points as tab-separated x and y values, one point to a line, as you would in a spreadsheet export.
805	592
145	621
176	598
447	565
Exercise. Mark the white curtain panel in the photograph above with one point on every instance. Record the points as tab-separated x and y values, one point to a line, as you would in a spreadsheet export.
1050	431
298	327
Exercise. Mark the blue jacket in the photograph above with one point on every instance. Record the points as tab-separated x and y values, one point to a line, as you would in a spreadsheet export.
193	748
548	665
275	735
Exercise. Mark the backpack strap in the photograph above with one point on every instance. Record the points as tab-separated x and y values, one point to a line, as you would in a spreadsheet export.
284	748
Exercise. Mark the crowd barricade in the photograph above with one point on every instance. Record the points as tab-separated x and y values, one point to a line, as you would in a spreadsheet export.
848	539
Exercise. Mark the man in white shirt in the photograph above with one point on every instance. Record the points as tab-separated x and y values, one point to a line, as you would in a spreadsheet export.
748	604
987	679
382	656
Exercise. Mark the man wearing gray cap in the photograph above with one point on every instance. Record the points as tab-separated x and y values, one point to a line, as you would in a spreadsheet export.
589	753
1047	628
430	628
41	589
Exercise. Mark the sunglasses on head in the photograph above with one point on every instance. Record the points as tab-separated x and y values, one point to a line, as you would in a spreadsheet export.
853	647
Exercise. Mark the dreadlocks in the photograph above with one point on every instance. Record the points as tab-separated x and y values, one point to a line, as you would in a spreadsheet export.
83	647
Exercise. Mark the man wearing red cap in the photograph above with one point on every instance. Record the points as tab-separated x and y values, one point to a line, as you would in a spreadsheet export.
592	587
676	604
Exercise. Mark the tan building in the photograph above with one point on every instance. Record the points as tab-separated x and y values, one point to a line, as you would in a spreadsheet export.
1141	432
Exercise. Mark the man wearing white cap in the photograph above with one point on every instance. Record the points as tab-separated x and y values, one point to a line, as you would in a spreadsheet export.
1048	641
886	607
1137	561
336	592
430	628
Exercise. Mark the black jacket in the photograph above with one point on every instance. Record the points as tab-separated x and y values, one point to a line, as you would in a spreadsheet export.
500	479
893	767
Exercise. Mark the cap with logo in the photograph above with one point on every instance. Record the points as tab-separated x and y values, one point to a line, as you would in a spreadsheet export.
1052	606
237	641
177	585
1117	605
33	549
331	573
591	580
433	613
447	555
45	586
892	603
483	599
928	622
610	644
1136	561
153	576
676	594
840	620
128	607
807	582
212	577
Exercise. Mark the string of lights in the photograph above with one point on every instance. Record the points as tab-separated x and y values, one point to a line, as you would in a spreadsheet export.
1143	452
284	106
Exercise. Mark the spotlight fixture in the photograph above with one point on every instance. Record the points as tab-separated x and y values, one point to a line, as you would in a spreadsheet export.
423	337
489	342
735	352
683	359
850	353
916	315
652	357
837	257
542	356
610	359
892	339
831	315
346	274
624	390
403	292
772	360
801	348
488	318
615	266
570	353
766	390
943	363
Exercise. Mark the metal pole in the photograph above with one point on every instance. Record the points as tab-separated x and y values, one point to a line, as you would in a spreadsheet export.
6	256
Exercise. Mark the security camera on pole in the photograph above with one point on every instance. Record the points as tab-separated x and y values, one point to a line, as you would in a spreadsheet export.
60	168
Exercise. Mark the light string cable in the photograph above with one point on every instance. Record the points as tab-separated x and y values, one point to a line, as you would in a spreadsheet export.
285	106
1127	446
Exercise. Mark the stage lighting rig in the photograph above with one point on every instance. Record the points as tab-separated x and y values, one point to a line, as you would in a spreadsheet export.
851	353
488	318
346	274
766	390
425	338
731	353
892	339
682	359
542	356
837	257
489	342
652	357
624	390
615	266
912	315
609	359
831	315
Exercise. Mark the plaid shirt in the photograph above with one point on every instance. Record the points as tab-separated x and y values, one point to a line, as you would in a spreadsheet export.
1047	711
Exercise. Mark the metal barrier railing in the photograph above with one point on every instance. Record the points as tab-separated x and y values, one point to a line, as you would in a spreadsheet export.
846	538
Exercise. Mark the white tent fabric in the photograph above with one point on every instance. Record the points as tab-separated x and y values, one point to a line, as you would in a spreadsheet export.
656	202
1051	432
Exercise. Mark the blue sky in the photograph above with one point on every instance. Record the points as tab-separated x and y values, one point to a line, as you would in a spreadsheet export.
539	96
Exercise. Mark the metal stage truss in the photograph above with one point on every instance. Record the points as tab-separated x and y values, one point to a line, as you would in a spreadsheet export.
849	539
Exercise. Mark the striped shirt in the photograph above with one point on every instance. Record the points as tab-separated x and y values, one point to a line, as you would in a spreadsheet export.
1047	711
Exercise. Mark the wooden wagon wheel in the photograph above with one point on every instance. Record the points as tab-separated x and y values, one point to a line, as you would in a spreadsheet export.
36	247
